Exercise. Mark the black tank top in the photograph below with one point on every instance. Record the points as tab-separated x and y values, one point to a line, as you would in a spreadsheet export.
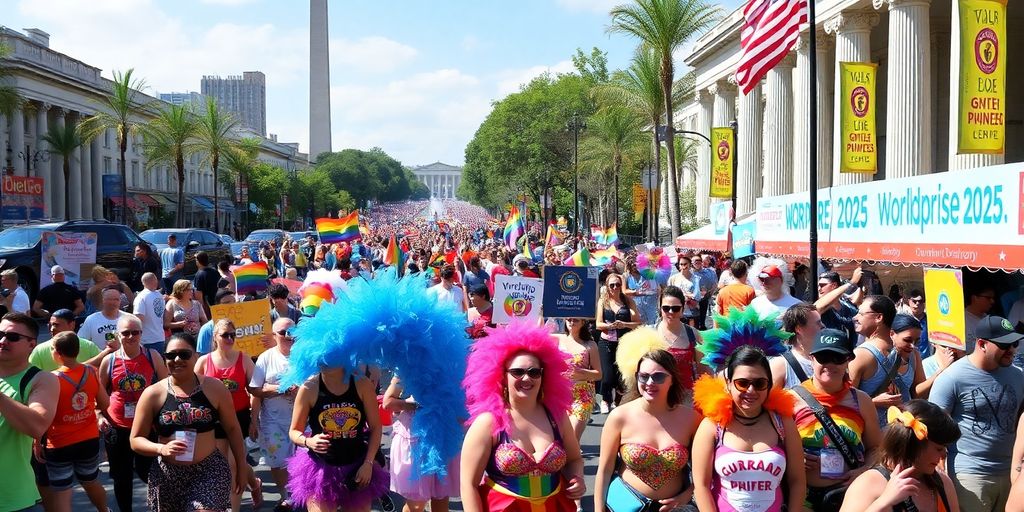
193	412
342	418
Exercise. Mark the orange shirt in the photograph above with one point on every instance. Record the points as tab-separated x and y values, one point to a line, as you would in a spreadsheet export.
737	295
75	420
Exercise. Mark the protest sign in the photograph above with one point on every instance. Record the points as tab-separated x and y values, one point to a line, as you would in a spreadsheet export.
570	292
516	297
252	321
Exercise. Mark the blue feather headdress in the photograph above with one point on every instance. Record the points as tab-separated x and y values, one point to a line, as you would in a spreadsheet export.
740	328
394	323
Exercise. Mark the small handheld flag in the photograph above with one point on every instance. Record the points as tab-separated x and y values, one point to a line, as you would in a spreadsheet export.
333	231
251	278
514	228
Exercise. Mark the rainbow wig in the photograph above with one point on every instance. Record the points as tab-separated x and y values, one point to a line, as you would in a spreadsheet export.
632	346
394	323
740	328
485	382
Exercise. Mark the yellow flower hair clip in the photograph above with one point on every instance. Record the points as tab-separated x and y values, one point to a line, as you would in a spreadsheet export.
908	420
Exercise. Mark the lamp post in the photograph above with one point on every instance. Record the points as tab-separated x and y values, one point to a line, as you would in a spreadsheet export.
576	124
735	163
33	157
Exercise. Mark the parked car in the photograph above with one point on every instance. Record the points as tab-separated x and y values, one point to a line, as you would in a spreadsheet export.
19	248
193	241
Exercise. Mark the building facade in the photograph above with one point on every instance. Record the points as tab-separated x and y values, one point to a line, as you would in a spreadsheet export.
244	95
184	98
914	44
442	179
59	90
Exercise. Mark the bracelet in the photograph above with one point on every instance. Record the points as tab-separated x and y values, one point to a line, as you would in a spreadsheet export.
304	439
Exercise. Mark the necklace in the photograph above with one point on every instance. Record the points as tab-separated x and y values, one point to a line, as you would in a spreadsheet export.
751	420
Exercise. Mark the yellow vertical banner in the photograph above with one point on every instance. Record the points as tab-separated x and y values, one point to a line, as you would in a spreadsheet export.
982	119
723	145
252	322
639	201
859	151
944	305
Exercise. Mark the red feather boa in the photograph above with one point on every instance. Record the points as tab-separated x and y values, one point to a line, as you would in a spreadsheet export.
713	400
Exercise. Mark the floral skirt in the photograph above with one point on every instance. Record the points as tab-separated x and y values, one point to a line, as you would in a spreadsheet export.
582	401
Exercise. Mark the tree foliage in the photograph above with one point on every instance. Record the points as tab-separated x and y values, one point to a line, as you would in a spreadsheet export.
370	175
169	139
10	100
64	140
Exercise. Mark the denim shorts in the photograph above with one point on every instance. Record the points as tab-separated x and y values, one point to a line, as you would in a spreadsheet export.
79	460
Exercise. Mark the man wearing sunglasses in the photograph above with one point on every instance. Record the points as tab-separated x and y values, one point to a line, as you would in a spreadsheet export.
982	393
837	303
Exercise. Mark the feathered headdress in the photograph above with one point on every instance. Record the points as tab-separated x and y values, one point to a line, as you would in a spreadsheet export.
320	285
485	383
740	328
394	323
632	346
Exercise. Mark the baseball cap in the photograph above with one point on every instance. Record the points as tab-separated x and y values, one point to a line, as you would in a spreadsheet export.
770	271
997	329
832	340
56	269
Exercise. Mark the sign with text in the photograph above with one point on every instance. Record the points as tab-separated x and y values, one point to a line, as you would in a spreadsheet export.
570	292
517	297
23	198
639	201
858	148
723	144
75	252
944	305
982	117
252	321
743	235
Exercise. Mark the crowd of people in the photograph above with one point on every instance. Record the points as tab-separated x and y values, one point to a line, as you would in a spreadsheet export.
722	387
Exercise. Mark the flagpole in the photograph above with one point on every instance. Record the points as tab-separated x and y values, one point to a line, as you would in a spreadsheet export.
812	82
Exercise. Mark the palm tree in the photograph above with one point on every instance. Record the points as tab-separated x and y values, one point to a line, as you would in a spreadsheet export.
115	113
215	138
614	135
10	100
665	25
239	161
65	141
170	139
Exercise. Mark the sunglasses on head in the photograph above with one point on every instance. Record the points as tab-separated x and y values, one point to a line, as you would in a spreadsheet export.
130	332
829	357
1006	346
651	378
671	309
183	355
533	372
14	337
742	385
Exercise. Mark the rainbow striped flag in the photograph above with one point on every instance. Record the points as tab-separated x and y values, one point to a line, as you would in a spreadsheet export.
608	236
333	231
393	256
603	256
580	258
553	238
514	228
251	278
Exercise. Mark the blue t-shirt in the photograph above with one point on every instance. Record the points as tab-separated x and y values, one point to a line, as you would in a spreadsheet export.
984	405
169	257
204	340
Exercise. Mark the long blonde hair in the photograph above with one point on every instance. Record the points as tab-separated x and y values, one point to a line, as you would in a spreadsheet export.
627	300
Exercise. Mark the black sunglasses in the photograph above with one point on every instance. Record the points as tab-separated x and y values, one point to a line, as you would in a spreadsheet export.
614	285
671	309
183	355
829	357
742	385
1002	346
651	378
533	372
14	337
131	332
286	334
228	335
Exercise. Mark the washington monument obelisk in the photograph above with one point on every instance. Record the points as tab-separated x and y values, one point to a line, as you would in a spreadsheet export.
319	81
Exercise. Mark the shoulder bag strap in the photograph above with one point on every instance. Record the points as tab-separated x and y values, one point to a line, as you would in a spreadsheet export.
798	369
831	429
889	374
26	379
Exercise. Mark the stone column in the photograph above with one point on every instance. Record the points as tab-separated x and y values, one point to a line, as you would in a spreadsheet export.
748	147
825	46
961	162
84	193
57	169
853	44
908	134
704	120
18	141
42	169
801	115
96	157
75	178
778	129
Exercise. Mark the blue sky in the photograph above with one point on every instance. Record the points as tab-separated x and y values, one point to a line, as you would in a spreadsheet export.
415	78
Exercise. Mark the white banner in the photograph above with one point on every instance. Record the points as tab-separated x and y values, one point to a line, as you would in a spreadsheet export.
75	252
517	297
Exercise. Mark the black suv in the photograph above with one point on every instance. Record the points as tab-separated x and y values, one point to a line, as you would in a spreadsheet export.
19	248
193	241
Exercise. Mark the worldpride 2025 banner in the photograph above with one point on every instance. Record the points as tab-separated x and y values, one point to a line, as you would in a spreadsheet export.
858	142
982	117
973	218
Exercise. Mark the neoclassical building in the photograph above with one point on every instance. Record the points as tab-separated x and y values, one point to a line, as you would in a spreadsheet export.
60	90
442	179
909	40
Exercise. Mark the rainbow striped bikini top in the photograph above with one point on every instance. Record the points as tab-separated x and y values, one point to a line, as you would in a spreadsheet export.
517	471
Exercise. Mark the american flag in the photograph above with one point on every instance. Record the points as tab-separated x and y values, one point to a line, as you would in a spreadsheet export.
770	30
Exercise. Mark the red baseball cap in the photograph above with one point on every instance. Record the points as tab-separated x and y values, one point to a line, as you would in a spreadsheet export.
770	271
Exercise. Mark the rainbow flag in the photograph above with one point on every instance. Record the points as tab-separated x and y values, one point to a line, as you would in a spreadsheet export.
514	228
603	256
333	231
251	278
393	256
608	236
580	258
553	238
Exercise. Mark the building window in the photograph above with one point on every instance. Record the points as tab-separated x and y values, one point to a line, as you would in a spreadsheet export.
106	138
135	173
106	165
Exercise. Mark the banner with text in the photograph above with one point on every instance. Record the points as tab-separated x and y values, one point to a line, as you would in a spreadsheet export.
570	292
723	140
743	235
252	321
74	252
23	198
859	151
517	298
639	201
944	305
982	80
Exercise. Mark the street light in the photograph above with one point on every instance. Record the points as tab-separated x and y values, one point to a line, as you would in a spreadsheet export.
576	124
33	157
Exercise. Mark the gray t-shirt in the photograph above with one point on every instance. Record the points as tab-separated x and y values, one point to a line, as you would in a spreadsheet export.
985	405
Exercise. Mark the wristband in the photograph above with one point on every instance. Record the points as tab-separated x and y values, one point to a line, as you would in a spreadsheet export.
304	445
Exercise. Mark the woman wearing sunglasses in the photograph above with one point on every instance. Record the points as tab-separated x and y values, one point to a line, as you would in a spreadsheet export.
518	397
234	368
616	315
651	435
682	339
584	369
850	416
191	472
125	374
747	447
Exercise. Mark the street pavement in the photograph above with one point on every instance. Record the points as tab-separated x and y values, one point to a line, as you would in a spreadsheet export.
590	445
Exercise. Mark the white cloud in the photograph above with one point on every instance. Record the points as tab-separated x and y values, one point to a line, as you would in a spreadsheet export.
229	3
369	55
511	80
597	6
